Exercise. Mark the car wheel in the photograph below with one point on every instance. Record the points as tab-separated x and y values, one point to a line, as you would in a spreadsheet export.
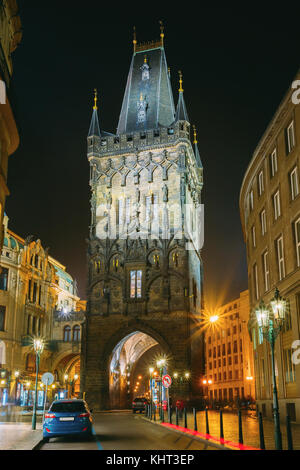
46	439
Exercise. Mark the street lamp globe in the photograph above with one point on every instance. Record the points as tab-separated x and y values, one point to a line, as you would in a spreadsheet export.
278	305
262	315
38	344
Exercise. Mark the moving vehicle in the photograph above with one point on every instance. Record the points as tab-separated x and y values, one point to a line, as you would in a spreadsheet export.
67	417
139	404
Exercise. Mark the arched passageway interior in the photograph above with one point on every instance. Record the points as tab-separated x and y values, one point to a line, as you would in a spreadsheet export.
129	368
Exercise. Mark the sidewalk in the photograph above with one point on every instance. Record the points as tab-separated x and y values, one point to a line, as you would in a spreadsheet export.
19	436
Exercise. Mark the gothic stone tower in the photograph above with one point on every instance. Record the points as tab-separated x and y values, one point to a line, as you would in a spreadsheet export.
145	270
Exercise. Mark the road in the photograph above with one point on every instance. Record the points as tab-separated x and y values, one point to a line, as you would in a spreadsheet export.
124	431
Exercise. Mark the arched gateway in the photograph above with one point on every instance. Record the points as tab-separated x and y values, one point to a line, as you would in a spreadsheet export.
144	262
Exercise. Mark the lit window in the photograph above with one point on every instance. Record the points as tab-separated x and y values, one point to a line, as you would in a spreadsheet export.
260	183
136	284
276	203
76	333
290	133
266	271
297	240
273	162
294	183
280	258
67	333
263	222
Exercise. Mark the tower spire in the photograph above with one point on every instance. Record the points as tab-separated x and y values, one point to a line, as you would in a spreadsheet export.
95	98
94	126
161	33
134	39
196	150
181	112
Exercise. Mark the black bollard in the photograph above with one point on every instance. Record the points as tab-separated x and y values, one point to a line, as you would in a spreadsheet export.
195	419
289	433
171	411
241	441
206	419
221	425
261	432
176	416
162	415
154	413
185	419
169	414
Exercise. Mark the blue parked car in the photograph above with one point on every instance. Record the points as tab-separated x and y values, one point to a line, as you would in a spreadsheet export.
67	417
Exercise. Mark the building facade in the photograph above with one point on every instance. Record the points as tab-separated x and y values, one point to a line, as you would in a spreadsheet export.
37	298
145	271
229	354
10	37
270	215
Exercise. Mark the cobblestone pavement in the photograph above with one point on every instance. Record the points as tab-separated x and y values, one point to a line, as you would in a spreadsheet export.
19	436
250	428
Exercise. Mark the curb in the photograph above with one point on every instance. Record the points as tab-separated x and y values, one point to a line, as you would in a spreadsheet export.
221	444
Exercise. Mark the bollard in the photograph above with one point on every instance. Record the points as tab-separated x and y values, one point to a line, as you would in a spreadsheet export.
195	419
169	415
221	425
154	413
241	441
206	419
289	433
261	432
170	418
185	419
176	416
162	415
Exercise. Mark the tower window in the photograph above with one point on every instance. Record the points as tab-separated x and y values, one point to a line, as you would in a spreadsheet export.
135	284
3	279
67	333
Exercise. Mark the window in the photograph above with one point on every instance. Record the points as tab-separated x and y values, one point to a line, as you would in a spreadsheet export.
224	376
76	333
266	271
260	183
235	348
294	183
289	367
280	258
67	333
135	284
273	162
276	204
263	222
234	330
229	348
254	338
297	240
290	134
255	281
253	237
251	200
3	279
2	317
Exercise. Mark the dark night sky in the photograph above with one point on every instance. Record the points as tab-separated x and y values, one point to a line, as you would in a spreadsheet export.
237	64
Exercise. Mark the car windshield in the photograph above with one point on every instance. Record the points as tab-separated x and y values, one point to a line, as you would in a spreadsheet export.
68	407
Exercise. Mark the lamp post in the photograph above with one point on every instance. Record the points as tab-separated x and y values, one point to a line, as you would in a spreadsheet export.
66	384
151	370
38	345
270	320
160	364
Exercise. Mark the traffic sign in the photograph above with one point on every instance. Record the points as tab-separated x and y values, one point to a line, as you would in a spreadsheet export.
167	381
47	378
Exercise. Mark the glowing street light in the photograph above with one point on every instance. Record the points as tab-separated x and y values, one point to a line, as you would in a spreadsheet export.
214	318
38	345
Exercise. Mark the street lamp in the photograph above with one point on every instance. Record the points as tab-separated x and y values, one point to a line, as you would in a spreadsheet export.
160	364
38	345
151	370
270	321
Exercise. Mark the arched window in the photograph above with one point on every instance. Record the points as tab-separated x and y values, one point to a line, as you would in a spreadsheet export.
76	333
67	333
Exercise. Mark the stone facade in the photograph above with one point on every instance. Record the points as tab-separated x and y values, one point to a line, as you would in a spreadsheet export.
37	298
229	354
144	271
270	214
10	27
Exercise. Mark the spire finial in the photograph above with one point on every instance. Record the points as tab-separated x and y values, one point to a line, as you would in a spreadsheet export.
95	98
134	39
161	32
180	81
195	135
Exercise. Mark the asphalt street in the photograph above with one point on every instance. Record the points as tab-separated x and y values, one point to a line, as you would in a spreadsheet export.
127	431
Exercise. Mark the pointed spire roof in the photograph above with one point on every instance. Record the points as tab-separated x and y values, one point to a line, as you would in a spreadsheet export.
94	126
181	112
196	150
151	79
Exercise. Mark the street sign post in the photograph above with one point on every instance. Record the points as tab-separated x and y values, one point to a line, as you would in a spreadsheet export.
167	381
47	379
